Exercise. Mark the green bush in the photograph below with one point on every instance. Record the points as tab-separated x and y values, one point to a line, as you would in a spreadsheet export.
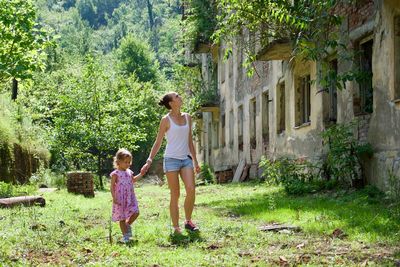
297	176
207	174
394	186
6	190
343	162
10	190
48	178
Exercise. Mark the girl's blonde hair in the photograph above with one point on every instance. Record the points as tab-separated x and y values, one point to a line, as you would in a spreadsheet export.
121	154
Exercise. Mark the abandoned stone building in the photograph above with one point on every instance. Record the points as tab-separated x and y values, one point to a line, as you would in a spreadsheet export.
278	112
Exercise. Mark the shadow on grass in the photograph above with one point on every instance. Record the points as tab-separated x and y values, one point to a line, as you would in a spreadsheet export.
185	239
130	243
355	211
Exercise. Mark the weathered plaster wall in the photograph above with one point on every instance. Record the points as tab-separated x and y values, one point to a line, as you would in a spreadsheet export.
374	19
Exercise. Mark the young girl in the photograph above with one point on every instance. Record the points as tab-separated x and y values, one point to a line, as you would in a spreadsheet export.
125	206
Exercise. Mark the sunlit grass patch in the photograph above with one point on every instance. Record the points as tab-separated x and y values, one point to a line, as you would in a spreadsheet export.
79	229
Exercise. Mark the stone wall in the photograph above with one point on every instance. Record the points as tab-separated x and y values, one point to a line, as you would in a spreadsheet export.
17	164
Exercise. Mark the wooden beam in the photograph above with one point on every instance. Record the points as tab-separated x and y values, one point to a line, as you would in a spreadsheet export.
239	171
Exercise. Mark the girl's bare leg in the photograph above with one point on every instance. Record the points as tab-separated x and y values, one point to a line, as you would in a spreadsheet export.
132	218
123	227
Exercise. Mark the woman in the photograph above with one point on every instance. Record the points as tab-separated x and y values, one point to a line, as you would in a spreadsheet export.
179	158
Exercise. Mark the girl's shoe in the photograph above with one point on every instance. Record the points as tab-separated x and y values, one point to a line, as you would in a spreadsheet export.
125	239
129	232
189	225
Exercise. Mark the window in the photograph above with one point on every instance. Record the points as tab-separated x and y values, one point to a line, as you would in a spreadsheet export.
222	142
264	117
363	95
240	127
253	116
215	133
397	57
222	68
333	93
230	61
209	137
280	95
231	123
303	100
199	138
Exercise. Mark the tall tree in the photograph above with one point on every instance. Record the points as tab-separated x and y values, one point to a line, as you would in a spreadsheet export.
22	41
99	114
136	57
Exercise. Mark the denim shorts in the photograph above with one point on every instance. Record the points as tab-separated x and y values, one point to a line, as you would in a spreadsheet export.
171	164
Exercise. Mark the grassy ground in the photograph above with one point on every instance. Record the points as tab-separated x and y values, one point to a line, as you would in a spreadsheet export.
73	230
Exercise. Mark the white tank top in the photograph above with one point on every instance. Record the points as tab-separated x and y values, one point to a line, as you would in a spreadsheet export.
177	140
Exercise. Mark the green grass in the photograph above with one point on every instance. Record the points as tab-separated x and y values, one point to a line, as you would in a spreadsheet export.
73	230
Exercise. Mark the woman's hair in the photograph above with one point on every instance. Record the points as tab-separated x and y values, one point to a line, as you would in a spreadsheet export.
165	100
121	154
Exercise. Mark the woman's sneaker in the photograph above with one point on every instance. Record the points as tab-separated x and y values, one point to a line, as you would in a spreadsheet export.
189	225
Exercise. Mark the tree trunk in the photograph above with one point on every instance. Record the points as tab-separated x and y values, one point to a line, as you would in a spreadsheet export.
14	89
150	11
99	171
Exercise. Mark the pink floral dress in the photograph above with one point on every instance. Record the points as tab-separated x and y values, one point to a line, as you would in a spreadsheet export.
125	194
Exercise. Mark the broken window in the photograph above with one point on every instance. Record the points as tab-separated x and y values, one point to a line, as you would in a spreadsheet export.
253	116
230	66
209	137
397	57
222	67
231	124
264	117
281	116
333	93
223	130
363	95
215	133
303	100
199	139
240	127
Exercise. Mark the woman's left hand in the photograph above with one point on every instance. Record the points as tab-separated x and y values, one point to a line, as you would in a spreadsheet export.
196	167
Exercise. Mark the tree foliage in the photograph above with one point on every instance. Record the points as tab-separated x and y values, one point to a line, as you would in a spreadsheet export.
311	26
200	21
22	40
136	58
98	115
99	88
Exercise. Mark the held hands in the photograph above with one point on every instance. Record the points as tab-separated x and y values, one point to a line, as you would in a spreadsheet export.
145	168
196	166
143	171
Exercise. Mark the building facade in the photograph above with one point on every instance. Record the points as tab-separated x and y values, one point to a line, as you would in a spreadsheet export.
279	112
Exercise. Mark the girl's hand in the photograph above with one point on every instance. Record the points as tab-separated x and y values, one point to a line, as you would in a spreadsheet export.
145	168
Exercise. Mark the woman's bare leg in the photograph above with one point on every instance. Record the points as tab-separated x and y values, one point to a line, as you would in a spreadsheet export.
173	183
187	176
